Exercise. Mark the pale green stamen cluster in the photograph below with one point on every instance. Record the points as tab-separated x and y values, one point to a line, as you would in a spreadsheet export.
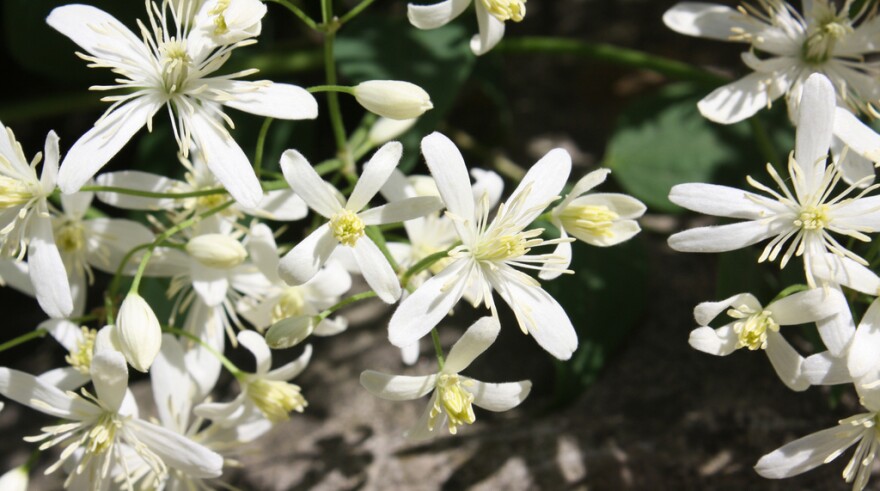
504	247
70	237
830	27
752	329
347	227
505	10
291	303
176	63
80	357
220	26
595	220
453	400
275	399
813	217
13	192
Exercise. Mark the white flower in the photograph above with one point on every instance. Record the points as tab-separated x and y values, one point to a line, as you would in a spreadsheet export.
265	391
348	223
393	98
808	215
25	225
490	252
491	16
230	21
602	220
452	395
170	65
15	479
138	332
99	425
821	39
757	328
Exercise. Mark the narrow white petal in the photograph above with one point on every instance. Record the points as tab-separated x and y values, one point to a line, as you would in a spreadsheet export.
99	33
808	452
435	15
305	182
108	241
491	31
719	342
397	387
704	20
857	136
736	101
721	238
428	305
47	272
264	98
450	172
862	355
837	330
281	205
499	397
542	183
721	201
814	127
103	142
563	251
51	157
171	385
706	311
263	250
14	274
846	272
140	181
109	372
28	390
211	284
68	334
226	160
786	361
376	270
303	261
854	167
64	378
807	306
472	344
824	369
292	369
255	343
401	211
374	176
331	282
178	451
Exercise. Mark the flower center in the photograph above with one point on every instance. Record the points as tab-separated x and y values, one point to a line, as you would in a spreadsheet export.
505	10
813	218
453	400
291	303
220	26
504	247
752	330
347	227
276	399
175	64
828	28
70	237
80	357
13	192
102	434
595	220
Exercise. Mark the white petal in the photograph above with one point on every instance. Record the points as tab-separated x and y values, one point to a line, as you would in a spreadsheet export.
422	430
491	31
292	369
64	378
837	330
436	15
862	356
808	452
226	160
449	171
305	182
706	311
542	183
719	342
586	183
489	183
27	389
109	372
428	305
824	369
263	250
814	127
177	451
203	365
807	306
397	387
704	20
721	201
290	331
846	272
499	397
14	274
99	33
171	385
721	238
374	176
736	101
786	361
303	261
281	205
211	284
103	142
855	168
331	282
51	157
47	272
858	136
141	181
110	239
401	211
376	270
410	354
258	347
562	251
68	334
472	344
264	98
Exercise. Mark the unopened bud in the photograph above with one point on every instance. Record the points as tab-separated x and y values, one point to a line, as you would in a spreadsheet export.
216	251
138	333
290	332
393	99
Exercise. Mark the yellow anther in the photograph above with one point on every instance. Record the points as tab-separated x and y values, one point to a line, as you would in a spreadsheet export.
813	218
101	436
752	330
505	10
453	400
80	357
290	304
175	64
220	21
275	399
347	227
13	192
595	220
70	237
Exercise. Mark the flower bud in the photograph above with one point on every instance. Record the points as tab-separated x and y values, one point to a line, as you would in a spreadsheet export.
15	480
216	251
385	129
138	333
289	332
393	99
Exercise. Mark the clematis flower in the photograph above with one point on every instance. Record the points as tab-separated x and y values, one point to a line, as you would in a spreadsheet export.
25	226
757	328
491	16
490	252
452	395
170	64
348	222
99	425
807	216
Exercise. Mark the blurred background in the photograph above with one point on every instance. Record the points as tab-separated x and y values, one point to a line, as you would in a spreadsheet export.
636	407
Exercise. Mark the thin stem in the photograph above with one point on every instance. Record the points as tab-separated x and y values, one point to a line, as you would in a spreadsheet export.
346	302
330	27
261	145
32	460
351	14
297	12
234	370
37	333
378	238
331	88
422	265
438	348
328	166
153	194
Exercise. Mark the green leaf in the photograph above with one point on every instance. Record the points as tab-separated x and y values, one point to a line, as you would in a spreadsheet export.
438	60
662	140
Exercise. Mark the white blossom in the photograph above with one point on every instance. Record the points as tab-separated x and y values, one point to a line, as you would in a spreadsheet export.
491	16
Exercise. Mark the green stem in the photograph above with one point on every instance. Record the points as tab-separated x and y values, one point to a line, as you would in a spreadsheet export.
790	291
153	194
261	145
611	54
32	460
422	265
378	238
328	166
351	14
331	88
347	301
234	370
297	12
438	348
330	26
37	333
762	138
